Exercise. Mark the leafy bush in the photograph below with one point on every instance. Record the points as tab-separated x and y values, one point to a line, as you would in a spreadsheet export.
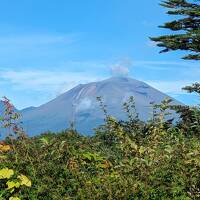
123	160
10	184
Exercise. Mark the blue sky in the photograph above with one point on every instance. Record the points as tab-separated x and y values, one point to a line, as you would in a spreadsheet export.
47	47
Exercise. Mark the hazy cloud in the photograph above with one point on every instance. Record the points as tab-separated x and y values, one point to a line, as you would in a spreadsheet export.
121	68
47	81
84	104
170	87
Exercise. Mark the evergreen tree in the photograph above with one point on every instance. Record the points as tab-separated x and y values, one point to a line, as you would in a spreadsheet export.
186	26
194	88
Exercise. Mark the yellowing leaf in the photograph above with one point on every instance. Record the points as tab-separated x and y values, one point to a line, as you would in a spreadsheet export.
6	173
4	148
141	150
12	184
105	165
24	180
134	145
14	198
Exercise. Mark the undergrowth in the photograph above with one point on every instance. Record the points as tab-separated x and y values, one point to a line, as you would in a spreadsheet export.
155	160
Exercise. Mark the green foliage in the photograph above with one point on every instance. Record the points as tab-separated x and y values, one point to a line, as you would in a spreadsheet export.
10	184
194	88
154	160
123	160
186	26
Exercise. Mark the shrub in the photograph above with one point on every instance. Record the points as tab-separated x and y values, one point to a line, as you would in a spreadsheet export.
123	160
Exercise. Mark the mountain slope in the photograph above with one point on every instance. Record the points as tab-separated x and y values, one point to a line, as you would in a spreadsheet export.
80	105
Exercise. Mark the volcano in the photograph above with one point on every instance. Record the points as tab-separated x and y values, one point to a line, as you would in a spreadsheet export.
79	105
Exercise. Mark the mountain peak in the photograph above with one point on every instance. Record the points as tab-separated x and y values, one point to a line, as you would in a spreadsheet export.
120	79
80	105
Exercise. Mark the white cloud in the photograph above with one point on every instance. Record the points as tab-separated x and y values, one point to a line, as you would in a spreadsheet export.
121	68
118	70
57	81
48	81
170	87
63	80
85	104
